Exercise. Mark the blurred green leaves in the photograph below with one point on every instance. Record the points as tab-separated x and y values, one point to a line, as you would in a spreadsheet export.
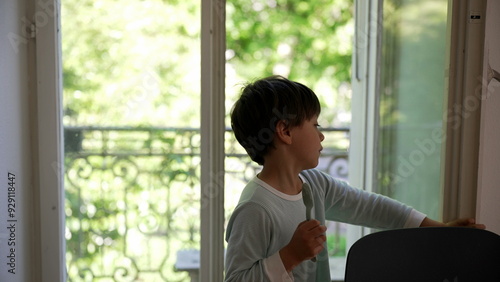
130	62
137	63
309	37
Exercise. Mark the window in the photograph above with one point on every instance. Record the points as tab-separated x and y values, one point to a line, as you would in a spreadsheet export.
413	68
412	96
132	138
400	93
308	41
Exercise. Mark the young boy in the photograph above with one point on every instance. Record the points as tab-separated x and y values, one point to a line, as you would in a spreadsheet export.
269	238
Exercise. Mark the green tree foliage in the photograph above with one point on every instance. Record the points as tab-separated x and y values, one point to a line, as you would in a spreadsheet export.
308	41
137	63
312	38
129	62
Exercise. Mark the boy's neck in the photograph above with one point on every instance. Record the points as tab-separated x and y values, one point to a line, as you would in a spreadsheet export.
282	178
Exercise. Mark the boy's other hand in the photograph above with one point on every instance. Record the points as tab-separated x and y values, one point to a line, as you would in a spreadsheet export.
307	242
462	222
466	222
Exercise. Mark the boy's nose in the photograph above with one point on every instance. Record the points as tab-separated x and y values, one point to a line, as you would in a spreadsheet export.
321	136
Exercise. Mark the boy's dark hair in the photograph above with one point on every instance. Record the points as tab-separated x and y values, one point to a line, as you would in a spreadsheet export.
265	102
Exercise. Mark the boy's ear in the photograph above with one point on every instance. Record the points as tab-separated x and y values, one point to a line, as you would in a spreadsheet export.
283	132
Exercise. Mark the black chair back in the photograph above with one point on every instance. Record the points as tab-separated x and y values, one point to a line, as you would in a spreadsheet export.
441	254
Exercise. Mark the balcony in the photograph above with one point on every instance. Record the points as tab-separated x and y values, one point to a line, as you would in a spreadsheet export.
132	198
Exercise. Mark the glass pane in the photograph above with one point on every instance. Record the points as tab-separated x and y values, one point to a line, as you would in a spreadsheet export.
411	102
131	116
307	41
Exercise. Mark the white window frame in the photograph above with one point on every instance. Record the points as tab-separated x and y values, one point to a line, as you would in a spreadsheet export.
48	165
364	102
461	149
213	48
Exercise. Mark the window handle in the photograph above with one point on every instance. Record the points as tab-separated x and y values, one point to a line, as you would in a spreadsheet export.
493	74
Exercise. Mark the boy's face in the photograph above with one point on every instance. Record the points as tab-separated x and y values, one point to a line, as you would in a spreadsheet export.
306	142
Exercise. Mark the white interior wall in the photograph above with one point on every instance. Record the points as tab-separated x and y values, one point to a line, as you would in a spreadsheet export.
15	155
488	199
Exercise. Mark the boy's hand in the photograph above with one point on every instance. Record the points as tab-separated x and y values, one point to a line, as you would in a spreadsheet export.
306	243
462	222
465	222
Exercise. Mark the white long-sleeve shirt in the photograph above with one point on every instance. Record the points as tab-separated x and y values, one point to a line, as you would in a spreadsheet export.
265	220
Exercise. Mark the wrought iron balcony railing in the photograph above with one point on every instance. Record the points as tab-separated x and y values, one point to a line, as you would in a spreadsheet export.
132	197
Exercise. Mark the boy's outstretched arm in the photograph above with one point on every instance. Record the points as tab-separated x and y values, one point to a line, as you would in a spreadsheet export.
307	241
462	222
